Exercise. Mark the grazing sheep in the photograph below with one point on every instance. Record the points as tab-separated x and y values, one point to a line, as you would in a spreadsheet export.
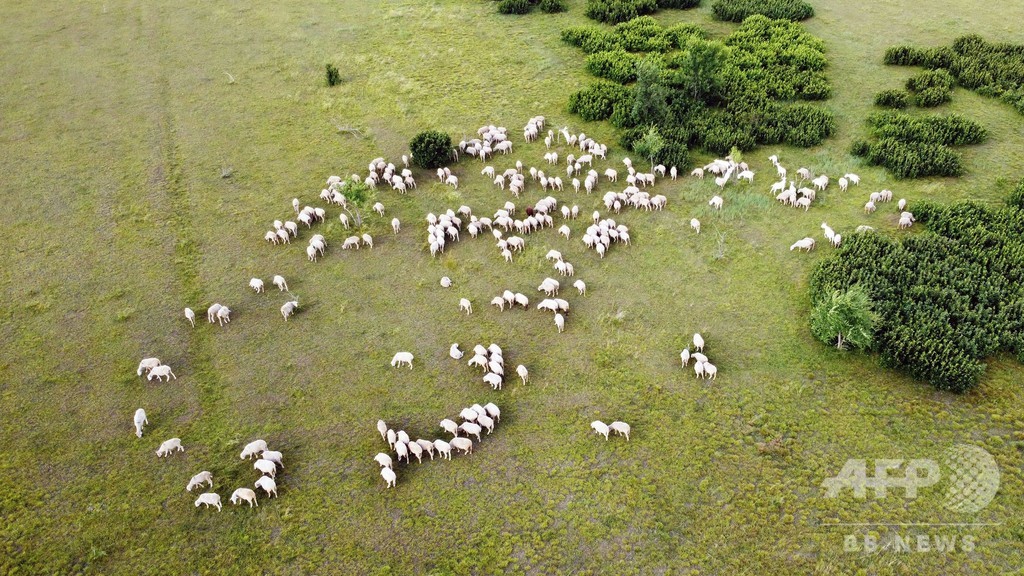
288	308
493	380
426	446
210	499
479	360
266	467
600	427
902	204
493	411
905	222
836	240
454	351
486	422
715	202
446	282
684	356
162	371
499	302
869	207
464	444
620	428
382	427
450	427
168	446
389	477
274	456
523	373
396	225
190	315
378	208
224	315
698	368
416	450
803	244
280	283
244	494
199	479
853	178
256	284
710	370
560	322
522	300
698	172
444	449
403	437
699	357
843	184
146	365
698	342
391	438
580	286
268	485
402	358
368	240
253	448
465	304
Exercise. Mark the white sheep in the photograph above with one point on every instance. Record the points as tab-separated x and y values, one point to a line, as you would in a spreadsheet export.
684	356
710	370
416	450
695	224
803	244
244	494
464	444
493	411
620	428
553	255
266	467
382	427
560	322
146	365
274	456
402	358
699	357
698	368
446	282
450	427
280	283
168	446
210	499
493	380
253	448
268	485
454	351
389	477
466	305
904	223
427	446
523	373
869	207
403	437
486	422
378	208
288	308
256	284
224	315
391	438
580	286
853	178
715	202
444	449
902	204
396	226
204	477
343	219
698	342
190	315
600	427
162	371
368	240
522	300
140	419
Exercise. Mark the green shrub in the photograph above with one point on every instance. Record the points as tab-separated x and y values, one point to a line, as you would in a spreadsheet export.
333	76
615	65
615	11
892	99
643	34
914	159
552	6
1016	198
597	101
930	79
678	4
806	125
514	6
932	97
950	130
740	10
590	39
431	149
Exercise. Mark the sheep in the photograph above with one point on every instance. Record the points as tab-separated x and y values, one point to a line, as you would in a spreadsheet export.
698	369
416	450
391	438
199	479
836	240
600	427
284	237
168	446
280	283
853	178
803	244
224	315
698	172
493	411
146	365
402	450
271	237
444	449
522	300
695	224
190	315
495	366
450	427
464	444
620	428
869	207
210	499
291	227
389	477
843	184
715	202
288	308
698	342
244	494
903	223
426	446
507	254
902	204
697	356
382	427
553	255
560	322
479	360
804	203
211	313
256	284
162	371
403	437
253	448
268	485
710	370
454	351
523	373
274	456
580	286
452	181
266	467
402	358
295	204
684	356
378	208
499	302
465	304
368	240
493	380
343	218
747	175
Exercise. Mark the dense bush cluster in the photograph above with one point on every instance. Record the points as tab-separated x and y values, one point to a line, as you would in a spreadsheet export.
913	147
947	299
525	6
931	87
740	10
431	149
616	11
710	94
990	69
897	99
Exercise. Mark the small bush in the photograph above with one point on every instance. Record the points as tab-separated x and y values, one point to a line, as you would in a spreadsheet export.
930	79
514	6
590	39
643	34
950	130
892	99
333	76
807	125
739	10
678	4
615	65
597	101
932	97
914	159
616	11
1016	198
552	6
431	149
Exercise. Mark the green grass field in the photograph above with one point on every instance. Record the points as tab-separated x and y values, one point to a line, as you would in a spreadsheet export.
116	122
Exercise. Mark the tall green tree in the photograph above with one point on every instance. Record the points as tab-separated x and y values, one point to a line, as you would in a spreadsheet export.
650	144
700	70
845	318
650	102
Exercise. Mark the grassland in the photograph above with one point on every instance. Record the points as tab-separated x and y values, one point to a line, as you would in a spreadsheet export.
118	119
